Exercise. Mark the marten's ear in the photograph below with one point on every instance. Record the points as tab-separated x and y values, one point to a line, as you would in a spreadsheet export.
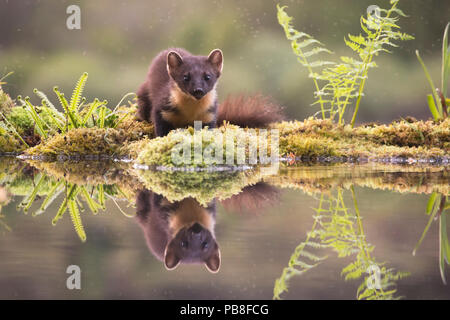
212	263
174	60
171	260
216	59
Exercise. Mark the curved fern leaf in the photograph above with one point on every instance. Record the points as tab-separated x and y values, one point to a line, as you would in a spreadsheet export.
76	219
77	92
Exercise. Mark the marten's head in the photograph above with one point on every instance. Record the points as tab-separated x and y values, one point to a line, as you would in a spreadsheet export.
194	244
195	75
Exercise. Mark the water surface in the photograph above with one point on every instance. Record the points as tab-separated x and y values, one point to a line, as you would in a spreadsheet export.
295	235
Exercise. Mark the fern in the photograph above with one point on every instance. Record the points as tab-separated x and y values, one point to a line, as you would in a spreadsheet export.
76	219
73	200
94	206
45	99
28	201
336	227
300	41
77	92
54	192
70	114
338	84
48	120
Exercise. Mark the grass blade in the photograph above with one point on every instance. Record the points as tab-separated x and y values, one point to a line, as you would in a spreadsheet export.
437	101
434	111
445	61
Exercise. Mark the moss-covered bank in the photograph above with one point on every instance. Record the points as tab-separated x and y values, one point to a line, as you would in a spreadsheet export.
308	140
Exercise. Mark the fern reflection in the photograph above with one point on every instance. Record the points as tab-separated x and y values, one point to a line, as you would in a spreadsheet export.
340	229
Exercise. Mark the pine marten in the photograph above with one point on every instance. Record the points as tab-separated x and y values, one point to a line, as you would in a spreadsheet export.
180	231
183	231
181	88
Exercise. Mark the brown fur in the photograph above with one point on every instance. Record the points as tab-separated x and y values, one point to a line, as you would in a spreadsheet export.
253	199
189	109
169	102
168	97
186	214
166	225
256	111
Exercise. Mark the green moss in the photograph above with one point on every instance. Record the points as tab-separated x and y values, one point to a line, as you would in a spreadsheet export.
203	186
9	143
311	138
82	141
314	137
161	150
95	141
6	103
20	119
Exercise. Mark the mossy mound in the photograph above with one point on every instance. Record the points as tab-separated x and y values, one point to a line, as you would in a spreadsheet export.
226	145
203	186
86	142
405	139
313	139
9	143
82	141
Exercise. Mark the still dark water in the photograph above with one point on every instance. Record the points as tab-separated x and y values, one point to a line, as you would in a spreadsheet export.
310	232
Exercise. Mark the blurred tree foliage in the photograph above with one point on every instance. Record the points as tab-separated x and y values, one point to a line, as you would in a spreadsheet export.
118	39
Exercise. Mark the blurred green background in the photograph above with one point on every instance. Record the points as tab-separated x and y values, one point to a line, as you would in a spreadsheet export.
118	39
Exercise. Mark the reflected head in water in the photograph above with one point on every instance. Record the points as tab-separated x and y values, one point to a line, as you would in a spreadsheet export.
179	232
183	231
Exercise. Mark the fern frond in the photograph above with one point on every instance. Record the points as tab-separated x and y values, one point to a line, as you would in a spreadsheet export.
76	219
61	210
91	203
54	192
77	92
44	98
72	116
345	81
28	201
40	124
295	36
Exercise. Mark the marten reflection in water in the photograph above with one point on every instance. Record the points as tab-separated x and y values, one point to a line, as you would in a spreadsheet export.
183	231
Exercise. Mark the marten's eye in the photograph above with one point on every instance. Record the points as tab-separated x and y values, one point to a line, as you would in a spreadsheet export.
184	244
205	245
207	77
186	77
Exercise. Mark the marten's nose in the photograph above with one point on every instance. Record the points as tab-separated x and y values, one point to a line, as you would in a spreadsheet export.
198	93
196	228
